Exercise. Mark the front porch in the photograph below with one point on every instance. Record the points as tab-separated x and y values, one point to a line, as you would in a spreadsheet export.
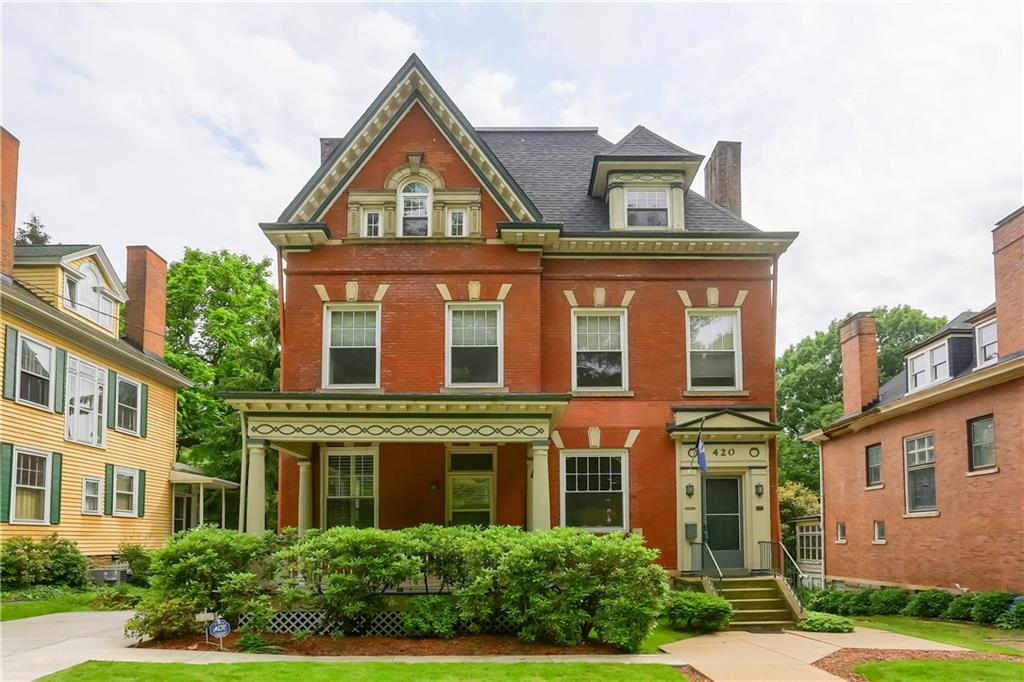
398	461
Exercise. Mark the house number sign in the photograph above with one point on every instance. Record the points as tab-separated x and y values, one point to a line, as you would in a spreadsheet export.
753	452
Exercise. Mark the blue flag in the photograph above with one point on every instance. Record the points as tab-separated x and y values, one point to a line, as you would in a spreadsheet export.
702	457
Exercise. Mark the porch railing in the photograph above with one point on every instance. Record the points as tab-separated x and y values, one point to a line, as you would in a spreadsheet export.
704	564
776	560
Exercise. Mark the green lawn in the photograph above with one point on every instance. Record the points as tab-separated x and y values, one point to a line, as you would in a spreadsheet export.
663	634
77	601
947	671
364	672
967	635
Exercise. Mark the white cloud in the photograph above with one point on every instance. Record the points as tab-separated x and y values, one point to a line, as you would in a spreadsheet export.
487	98
563	87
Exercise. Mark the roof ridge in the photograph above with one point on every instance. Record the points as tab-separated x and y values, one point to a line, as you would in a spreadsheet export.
639	129
536	129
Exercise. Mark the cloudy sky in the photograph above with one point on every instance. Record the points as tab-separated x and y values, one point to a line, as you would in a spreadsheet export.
889	135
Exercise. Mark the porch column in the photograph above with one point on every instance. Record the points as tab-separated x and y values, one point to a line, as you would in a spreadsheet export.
305	493
538	492
255	489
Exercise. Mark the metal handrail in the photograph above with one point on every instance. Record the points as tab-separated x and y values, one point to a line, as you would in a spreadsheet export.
789	556
716	577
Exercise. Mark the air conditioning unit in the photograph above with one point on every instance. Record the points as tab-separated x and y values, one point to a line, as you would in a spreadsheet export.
105	576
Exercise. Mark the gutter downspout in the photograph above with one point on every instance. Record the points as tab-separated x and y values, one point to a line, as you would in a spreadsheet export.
773	414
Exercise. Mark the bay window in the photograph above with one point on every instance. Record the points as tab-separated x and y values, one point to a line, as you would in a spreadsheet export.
474	347
599	350
351	346
713	349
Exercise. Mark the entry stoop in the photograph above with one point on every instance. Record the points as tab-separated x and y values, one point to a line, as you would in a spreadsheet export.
758	604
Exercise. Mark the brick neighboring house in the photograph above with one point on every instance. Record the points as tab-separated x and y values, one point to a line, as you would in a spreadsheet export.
490	326
922	478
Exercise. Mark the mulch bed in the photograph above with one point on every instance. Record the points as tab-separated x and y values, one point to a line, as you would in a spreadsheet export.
841	663
463	645
692	674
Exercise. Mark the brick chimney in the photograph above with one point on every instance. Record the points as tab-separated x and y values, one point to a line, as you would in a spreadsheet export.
860	362
722	176
1008	253
9	146
145	316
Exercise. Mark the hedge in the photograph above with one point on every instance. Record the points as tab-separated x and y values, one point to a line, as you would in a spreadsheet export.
986	608
51	561
697	611
825	622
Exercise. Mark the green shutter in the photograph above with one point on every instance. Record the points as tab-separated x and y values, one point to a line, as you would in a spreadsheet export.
144	410
111	399
6	467
55	470
10	362
142	493
60	373
108	491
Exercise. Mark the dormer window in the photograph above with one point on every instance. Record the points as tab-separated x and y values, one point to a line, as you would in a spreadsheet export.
414	209
988	343
85	297
647	207
928	367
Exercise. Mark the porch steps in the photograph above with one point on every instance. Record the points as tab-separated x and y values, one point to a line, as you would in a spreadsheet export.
758	604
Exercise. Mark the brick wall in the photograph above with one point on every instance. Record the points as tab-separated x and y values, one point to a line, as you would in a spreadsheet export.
978	538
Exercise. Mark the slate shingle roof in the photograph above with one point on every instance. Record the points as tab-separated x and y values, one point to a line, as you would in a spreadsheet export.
960	323
49	250
642	142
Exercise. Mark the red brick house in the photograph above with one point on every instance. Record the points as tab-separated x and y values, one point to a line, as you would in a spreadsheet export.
922	477
520	326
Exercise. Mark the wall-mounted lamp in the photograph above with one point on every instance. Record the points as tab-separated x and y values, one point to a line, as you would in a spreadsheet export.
689	490
759	489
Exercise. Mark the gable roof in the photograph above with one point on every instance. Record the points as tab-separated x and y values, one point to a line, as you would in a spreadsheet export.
63	254
413	85
642	142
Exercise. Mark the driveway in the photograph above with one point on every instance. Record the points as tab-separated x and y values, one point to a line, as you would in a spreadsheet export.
738	656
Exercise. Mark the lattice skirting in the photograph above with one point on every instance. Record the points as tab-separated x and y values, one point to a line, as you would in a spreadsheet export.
385	624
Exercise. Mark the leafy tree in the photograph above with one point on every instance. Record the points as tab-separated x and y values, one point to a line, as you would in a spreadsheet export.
222	332
32	232
810	382
795	500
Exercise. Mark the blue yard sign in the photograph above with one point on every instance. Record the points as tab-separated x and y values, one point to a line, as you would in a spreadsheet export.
220	628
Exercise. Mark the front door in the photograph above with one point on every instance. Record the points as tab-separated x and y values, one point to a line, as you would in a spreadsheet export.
182	512
723	520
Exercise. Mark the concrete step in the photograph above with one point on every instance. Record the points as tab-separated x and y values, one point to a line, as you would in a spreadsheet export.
761	614
750	592
762	625
754	604
749	582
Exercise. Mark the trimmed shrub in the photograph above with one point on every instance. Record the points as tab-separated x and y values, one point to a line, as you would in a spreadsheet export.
988	606
68	566
138	560
826	601
51	561
825	622
960	607
430	616
888	601
241	595
697	611
161	617
1012	618
858	603
928	604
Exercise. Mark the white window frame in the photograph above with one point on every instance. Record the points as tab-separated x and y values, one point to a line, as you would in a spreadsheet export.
929	367
375	453
607	452
809	548
473	305
99	413
737	348
449	222
878	538
96	315
330	308
978	347
14	520
623	314
22	337
971	445
840	532
492	473
906	473
86	480
134	473
117	404
429	195
647	188
366	223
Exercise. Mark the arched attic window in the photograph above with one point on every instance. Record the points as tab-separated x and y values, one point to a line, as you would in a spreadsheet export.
88	299
414	209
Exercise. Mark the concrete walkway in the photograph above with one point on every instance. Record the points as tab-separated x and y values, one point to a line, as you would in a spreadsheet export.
34	647
737	656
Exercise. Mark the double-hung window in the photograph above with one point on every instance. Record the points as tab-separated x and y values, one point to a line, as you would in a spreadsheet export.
475	343
129	395
31	493
414	209
85	418
371	224
126	491
351	489
919	452
352	346
456	223
35	372
981	442
595	490
599	350
873	462
929	366
91	495
879	530
841	531
988	343
646	208
713	349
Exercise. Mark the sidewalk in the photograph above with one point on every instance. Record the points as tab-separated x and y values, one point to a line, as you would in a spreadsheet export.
738	656
34	647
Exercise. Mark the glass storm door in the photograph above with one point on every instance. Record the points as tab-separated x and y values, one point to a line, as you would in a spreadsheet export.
182	512
723	520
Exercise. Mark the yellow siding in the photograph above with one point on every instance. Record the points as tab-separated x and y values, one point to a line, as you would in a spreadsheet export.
98	535
44	281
